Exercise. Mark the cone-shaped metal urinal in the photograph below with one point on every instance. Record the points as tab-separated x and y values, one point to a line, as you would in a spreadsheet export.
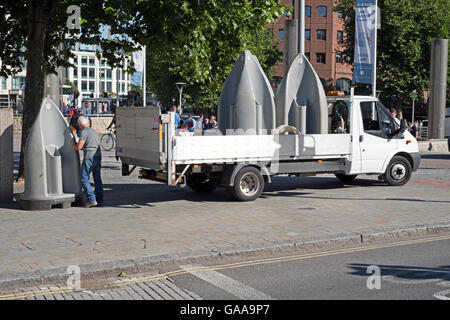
247	99
300	88
52	166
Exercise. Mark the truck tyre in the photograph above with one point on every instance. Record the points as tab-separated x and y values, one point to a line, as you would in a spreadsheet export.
398	171
346	177
200	184
248	184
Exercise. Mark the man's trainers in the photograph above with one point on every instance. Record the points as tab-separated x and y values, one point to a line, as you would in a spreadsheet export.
99	203
90	204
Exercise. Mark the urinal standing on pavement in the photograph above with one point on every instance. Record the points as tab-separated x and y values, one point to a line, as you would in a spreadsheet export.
52	166
301	88
247	101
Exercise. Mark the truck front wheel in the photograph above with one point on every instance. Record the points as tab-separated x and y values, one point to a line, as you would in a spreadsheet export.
398	172
248	184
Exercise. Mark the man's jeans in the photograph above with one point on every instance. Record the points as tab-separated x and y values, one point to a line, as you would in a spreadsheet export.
93	165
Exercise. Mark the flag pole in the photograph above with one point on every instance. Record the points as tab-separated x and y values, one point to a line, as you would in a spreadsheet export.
374	64
144	78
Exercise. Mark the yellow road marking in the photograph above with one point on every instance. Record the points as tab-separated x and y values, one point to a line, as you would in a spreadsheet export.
237	265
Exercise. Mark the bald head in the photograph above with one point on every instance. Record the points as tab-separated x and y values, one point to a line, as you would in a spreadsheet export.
83	122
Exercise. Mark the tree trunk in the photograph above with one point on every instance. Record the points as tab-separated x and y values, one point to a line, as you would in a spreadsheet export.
38	17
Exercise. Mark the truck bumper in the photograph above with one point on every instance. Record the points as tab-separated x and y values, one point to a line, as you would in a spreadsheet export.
416	160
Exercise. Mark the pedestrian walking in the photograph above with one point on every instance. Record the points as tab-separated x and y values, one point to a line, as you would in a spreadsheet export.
199	123
89	142
212	122
190	124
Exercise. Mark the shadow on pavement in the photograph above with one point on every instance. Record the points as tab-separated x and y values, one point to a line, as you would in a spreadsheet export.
403	272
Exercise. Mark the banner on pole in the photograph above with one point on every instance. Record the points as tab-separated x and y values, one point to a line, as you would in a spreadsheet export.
138	58
364	41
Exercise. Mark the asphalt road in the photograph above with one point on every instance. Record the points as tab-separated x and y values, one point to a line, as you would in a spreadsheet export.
415	269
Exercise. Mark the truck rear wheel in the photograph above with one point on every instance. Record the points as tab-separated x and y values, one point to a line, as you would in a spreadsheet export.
398	172
200	184
345	177
248	184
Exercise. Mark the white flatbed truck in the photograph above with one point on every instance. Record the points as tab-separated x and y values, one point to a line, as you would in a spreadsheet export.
363	138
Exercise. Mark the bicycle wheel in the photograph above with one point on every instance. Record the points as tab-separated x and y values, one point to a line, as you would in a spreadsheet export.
107	142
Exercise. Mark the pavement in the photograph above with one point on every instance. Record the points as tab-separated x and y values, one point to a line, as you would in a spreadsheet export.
146	226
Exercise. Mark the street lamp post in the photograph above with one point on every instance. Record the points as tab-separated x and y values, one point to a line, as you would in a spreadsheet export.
180	89
413	96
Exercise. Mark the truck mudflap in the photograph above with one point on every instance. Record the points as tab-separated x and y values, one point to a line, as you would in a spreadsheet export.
416	156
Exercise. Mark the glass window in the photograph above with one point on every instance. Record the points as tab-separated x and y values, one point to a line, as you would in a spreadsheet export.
322	34
281	33
3	83
102	62
308	55
84	73
343	84
75	73
83	60
307	11
339	14
84	86
91	73
322	11
338	58
18	82
320	57
109	86
108	74
91	86
101	73
75	60
340	36
376	119
92	61
308	34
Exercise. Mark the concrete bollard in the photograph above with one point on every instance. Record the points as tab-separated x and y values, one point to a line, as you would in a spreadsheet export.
6	152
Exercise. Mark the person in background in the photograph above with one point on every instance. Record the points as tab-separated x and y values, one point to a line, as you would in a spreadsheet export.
394	115
89	142
190	124
199	123
412	129
205	124
212	122
177	117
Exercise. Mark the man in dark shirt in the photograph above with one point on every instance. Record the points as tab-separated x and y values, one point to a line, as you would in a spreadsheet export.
92	162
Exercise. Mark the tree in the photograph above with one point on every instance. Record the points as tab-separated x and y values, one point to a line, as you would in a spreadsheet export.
37	30
202	43
403	44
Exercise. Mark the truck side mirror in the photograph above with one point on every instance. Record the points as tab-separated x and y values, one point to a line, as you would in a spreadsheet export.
403	125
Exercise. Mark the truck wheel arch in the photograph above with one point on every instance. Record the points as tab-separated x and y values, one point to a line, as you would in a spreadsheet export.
229	175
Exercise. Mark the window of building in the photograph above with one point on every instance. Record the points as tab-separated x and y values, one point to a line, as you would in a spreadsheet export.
340	36
308	55
83	60
123	75
101	73
307	11
75	73
91	86
102	62
102	86
108	74
84	73
308	34
322	34
343	84
320	57
91	73
281	33
75	60
84	86
3	83
109	86
338	58
339	14
18	82
322	11
92	61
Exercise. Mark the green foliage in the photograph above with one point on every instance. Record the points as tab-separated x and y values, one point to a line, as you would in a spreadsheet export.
404	42
200	41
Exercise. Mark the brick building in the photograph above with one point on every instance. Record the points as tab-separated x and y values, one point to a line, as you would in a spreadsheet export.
323	34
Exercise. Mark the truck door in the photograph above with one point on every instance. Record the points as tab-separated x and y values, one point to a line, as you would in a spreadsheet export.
375	141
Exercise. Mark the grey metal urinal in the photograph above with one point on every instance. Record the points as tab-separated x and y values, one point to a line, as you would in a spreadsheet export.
247	100
52	166
300	88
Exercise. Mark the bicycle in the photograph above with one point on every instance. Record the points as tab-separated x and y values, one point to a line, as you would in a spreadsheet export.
108	140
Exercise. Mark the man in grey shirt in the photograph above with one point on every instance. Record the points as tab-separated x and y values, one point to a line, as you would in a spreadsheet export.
92	162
